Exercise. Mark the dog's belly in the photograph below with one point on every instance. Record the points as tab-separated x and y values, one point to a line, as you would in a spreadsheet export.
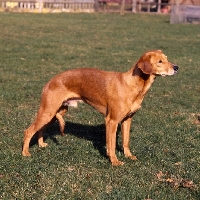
99	107
73	102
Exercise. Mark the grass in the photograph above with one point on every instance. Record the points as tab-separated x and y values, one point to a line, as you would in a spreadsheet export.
164	132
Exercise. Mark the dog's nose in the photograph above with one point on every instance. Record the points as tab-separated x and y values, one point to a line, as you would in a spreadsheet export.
175	68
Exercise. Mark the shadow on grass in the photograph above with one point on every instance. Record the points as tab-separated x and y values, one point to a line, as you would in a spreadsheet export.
95	134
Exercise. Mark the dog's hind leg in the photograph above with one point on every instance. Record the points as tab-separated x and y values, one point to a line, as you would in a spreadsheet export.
38	126
48	109
41	142
59	116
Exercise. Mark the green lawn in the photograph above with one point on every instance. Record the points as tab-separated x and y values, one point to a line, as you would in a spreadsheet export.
165	133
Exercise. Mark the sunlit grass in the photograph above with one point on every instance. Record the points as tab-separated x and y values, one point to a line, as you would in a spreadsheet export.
164	132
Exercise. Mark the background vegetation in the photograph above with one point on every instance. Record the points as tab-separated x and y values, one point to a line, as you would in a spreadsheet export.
165	133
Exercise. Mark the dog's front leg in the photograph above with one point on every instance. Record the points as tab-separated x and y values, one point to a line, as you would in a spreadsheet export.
125	128
111	129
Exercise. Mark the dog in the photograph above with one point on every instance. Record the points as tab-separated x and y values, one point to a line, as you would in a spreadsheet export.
114	94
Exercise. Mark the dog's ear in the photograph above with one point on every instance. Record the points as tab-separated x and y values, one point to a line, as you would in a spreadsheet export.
145	66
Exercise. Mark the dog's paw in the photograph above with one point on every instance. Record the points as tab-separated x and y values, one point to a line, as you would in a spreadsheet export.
117	163
132	157
43	144
25	153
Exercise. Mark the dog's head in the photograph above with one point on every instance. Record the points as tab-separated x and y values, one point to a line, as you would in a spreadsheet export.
155	62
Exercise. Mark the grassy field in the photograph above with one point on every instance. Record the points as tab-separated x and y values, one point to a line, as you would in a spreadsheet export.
165	133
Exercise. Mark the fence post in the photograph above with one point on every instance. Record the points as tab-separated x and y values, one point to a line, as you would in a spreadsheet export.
139	6
134	6
96	5
159	6
148	6
40	6
122	7
177	7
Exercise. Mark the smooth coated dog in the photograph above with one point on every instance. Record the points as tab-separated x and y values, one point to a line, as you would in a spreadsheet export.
114	94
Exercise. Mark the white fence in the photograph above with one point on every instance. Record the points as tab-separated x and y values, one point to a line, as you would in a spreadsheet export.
43	6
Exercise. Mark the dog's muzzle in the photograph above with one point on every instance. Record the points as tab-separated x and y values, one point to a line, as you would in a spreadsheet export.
175	67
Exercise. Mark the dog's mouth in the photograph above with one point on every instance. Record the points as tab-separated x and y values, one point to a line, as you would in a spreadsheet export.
175	70
170	74
167	74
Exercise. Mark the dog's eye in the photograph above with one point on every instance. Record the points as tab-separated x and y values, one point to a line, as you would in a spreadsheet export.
160	61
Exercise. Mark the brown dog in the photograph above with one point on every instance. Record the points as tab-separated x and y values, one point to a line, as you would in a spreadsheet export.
116	95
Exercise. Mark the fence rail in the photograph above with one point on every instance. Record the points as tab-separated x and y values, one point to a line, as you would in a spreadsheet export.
156	6
43	6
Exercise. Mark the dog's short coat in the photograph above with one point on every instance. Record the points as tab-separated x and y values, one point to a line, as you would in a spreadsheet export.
114	94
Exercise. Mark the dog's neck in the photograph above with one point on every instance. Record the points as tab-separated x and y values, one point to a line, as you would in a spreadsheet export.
139	84
135	76
138	72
